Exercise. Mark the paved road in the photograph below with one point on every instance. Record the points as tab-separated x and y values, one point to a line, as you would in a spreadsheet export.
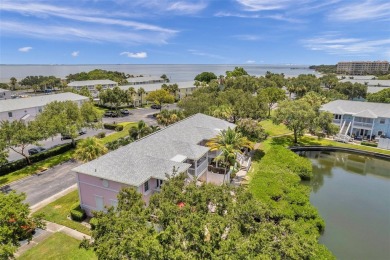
47	184
145	114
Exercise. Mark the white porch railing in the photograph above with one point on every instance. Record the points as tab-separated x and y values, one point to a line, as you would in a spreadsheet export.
201	167
362	124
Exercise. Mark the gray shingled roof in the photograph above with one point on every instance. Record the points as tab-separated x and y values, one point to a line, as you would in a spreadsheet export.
91	82
358	108
152	156
3	90
156	86
37	101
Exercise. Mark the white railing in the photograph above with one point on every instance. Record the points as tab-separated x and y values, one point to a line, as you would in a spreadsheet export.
201	167
361	124
336	121
191	171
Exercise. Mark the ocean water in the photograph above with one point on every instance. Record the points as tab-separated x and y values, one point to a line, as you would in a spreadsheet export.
176	73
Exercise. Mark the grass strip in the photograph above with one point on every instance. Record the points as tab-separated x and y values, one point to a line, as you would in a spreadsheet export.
58	246
58	212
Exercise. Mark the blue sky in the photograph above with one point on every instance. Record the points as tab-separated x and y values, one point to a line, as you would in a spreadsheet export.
193	32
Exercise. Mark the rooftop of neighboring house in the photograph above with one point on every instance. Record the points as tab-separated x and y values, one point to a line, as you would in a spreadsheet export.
91	83
370	82
372	90
155	156
37	101
156	86
143	79
358	108
4	90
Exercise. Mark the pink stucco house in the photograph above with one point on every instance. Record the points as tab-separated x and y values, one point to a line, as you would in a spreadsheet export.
144	164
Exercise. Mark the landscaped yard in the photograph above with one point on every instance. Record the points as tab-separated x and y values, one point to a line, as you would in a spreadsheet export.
31	169
274	130
59	246
58	211
117	135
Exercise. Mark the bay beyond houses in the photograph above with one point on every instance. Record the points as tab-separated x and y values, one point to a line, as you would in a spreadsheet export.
146	163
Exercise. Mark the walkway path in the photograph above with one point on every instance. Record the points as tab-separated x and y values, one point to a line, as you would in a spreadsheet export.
51	228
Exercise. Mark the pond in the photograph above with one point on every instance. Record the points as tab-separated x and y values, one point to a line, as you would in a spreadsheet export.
352	195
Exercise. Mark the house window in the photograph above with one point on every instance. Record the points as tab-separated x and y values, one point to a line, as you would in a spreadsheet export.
382	121
114	203
146	186
380	133
39	110
159	183
9	114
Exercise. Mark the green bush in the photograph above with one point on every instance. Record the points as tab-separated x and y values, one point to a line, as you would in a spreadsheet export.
369	144
100	135
77	213
21	163
93	222
115	127
119	128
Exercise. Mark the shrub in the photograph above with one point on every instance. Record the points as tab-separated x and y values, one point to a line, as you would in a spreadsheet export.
93	222
100	135
113	127
19	164
369	144
77	213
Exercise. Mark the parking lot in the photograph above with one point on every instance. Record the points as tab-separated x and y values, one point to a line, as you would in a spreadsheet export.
145	114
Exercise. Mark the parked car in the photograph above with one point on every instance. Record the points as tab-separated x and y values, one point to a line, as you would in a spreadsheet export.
108	113
82	131
155	106
125	112
65	136
36	150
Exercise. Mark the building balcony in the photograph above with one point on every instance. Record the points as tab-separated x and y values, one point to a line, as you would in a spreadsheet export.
362	125
336	121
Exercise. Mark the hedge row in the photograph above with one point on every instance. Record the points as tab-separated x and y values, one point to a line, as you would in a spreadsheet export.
77	213
21	163
278	183
369	144
113	127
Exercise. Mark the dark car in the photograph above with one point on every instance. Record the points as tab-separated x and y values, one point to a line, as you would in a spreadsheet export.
65	136
155	106
125	112
82	131
108	113
36	150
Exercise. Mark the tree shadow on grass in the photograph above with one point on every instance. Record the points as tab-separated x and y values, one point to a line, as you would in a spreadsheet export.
288	140
258	155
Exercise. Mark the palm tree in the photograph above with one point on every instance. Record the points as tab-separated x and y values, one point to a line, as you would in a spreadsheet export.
230	143
168	117
89	149
13	81
139	131
140	92
154	128
131	91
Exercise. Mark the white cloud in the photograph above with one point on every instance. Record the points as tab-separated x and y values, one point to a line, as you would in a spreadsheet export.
25	49
334	44
87	25
136	55
248	37
264	5
367	10
250	61
75	53
186	7
91	34
279	17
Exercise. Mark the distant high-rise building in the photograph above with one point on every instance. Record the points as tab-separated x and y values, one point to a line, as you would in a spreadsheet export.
362	67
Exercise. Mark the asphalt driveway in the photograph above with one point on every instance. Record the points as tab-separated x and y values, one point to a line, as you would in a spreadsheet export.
47	184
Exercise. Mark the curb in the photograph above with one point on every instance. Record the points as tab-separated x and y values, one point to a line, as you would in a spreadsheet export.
46	201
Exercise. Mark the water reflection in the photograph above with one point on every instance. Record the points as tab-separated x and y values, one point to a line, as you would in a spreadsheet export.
324	162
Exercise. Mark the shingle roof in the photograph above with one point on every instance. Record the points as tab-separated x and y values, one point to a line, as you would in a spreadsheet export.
91	82
153	155
358	108
3	90
156	86
37	101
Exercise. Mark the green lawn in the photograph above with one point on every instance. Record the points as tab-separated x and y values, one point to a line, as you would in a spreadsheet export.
29	170
117	135
58	211
274	130
59	246
310	140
